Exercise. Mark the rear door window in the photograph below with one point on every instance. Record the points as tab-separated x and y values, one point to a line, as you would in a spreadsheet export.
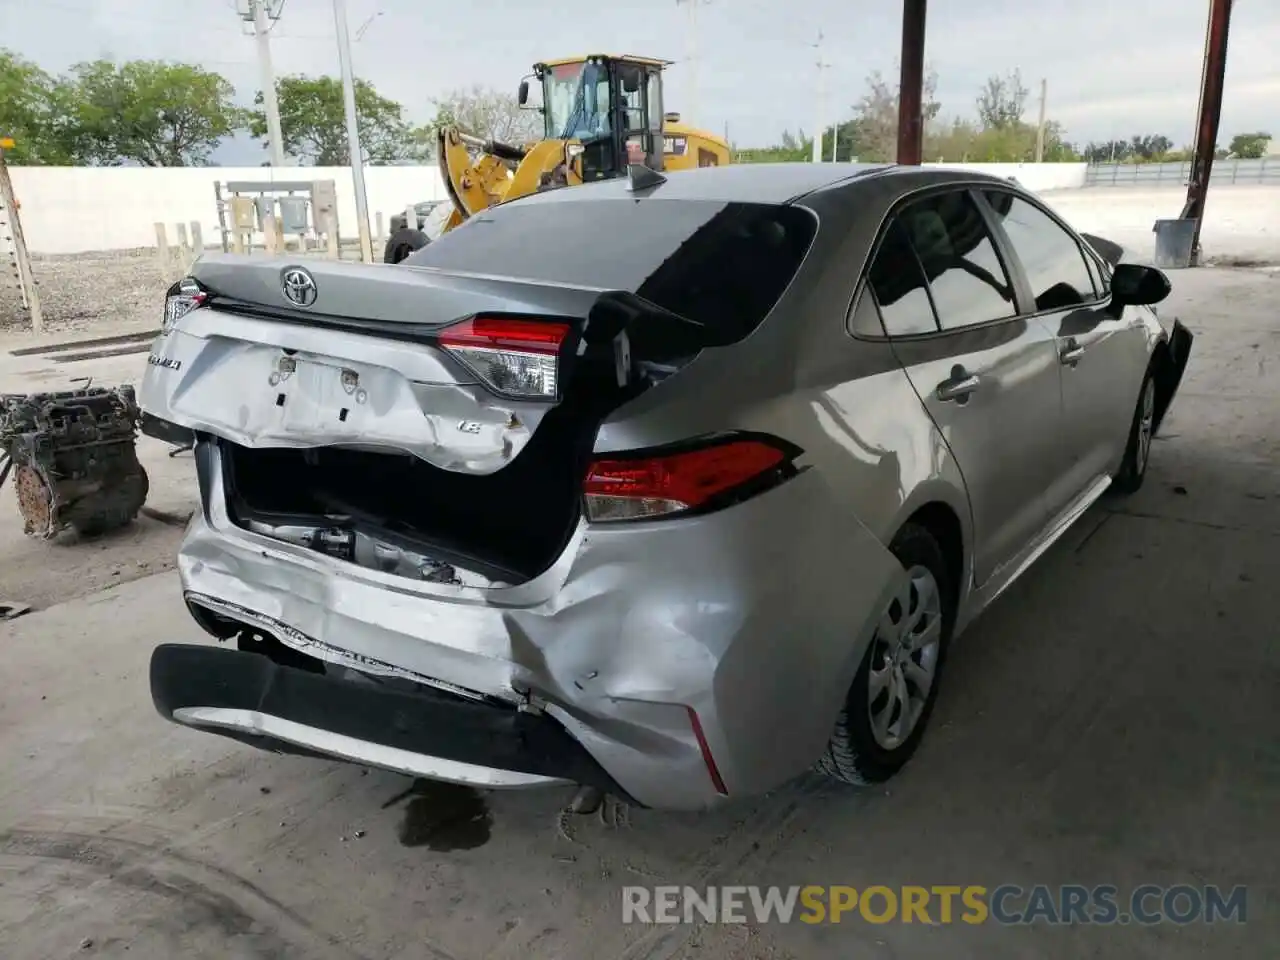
968	281
724	265
900	289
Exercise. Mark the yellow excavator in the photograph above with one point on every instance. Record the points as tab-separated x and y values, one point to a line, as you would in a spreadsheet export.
601	113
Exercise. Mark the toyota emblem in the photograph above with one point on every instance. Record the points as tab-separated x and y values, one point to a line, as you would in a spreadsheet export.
299	287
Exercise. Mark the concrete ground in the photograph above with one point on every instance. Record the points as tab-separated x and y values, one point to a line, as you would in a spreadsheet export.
1113	719
1240	228
41	574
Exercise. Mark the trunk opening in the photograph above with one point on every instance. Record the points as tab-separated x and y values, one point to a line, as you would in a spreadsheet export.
394	512
397	513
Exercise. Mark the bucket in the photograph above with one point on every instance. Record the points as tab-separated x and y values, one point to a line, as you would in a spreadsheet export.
1174	242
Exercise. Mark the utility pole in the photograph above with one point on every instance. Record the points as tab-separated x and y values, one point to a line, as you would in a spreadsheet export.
911	84
1044	95
820	126
263	14
1212	79
691	52
353	129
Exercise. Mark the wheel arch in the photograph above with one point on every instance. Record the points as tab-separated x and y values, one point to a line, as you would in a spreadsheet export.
943	523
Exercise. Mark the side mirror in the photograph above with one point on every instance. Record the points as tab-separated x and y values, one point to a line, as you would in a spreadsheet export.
522	95
1133	284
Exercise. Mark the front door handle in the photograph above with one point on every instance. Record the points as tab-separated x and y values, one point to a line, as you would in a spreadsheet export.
1070	353
959	386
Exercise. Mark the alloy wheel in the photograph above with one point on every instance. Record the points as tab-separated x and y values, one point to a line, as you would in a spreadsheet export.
904	659
1146	427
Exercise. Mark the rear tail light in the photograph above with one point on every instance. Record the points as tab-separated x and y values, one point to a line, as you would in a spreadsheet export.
183	297
702	478
518	358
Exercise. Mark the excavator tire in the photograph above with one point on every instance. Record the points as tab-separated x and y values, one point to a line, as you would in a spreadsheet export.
403	242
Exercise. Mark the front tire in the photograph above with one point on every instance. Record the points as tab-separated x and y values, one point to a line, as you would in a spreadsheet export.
891	699
403	243
1137	453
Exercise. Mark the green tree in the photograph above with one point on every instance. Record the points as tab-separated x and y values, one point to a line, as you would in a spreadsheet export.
1002	101
1249	146
791	149
28	97
150	112
1000	135
875	130
846	136
480	111
313	122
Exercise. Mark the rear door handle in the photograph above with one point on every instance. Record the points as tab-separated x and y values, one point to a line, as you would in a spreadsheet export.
1071	352
959	386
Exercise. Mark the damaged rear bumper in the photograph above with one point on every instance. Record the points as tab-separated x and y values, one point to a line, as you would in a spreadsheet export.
730	628
248	697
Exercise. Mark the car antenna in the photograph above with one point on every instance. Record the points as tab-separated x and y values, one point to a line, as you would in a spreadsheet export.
643	178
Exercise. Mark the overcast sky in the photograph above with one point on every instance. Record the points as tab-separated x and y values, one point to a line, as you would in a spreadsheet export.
1114	67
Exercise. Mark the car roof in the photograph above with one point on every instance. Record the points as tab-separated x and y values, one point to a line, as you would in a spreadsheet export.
754	182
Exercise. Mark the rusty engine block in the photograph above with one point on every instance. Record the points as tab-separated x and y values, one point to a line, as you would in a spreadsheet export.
73	459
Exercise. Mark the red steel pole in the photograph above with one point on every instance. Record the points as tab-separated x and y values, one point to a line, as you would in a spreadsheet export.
911	84
1211	86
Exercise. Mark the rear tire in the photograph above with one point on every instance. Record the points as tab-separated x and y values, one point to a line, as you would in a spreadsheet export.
1137	453
865	747
404	242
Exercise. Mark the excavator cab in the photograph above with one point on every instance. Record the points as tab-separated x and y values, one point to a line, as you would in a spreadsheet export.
608	107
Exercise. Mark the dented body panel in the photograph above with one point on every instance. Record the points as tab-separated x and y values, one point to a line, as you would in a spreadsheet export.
686	659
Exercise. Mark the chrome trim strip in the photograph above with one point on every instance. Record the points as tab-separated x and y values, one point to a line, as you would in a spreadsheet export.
359	751
1064	523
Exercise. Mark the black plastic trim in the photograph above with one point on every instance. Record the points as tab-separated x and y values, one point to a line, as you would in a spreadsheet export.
166	431
428	722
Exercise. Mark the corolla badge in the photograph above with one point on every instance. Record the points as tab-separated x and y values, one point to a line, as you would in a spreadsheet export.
299	286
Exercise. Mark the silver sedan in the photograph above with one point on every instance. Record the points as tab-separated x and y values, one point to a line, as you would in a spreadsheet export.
675	487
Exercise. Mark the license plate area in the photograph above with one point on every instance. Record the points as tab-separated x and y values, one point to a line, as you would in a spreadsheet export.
309	394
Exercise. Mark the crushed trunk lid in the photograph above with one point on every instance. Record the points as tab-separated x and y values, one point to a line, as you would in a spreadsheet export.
366	360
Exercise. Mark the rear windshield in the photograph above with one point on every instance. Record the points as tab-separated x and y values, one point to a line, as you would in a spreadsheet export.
722	264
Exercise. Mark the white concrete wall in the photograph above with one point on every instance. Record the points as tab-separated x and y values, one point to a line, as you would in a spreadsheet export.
78	209
1241	221
1033	176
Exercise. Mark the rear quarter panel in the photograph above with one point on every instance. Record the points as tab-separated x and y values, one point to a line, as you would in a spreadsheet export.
872	457
802	376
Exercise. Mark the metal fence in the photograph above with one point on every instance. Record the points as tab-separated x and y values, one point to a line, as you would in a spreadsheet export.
1262	171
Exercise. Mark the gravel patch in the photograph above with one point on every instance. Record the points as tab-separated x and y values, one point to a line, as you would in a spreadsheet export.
79	291
82	291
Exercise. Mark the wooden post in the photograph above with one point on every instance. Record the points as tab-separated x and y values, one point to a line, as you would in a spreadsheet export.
331	236
27	280
377	219
162	251
270	234
197	238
